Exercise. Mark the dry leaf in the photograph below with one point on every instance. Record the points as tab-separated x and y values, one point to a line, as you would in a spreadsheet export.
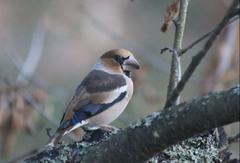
171	10
16	115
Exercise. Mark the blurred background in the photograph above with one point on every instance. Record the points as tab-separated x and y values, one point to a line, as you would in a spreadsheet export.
47	47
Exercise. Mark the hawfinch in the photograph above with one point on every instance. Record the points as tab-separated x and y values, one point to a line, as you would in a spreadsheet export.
102	95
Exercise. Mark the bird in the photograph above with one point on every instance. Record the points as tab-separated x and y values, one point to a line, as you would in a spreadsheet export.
101	96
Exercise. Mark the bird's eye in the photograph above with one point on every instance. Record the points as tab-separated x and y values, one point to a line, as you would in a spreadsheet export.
118	59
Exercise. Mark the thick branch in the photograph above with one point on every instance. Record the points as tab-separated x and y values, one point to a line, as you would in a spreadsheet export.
147	137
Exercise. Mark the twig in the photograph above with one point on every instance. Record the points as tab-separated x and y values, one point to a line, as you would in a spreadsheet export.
180	25
175	73
197	59
234	138
34	54
165	49
184	50
194	43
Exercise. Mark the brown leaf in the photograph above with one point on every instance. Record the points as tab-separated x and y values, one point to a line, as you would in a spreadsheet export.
16	114
12	105
171	10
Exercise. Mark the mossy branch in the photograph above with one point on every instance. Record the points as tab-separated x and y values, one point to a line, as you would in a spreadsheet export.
151	135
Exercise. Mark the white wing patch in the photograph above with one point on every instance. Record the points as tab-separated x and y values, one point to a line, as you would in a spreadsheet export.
82	123
115	94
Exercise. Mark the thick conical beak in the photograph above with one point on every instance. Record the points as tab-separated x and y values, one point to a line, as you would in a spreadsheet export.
130	64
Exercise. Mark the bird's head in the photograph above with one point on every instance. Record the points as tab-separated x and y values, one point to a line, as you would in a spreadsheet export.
119	61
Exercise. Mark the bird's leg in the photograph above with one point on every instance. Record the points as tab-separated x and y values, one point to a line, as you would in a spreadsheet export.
109	128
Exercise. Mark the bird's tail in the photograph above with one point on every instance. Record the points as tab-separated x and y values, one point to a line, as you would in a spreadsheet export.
54	139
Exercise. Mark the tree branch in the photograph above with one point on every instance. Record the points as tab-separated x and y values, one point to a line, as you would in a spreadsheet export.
175	73
184	50
151	135
197	59
195	43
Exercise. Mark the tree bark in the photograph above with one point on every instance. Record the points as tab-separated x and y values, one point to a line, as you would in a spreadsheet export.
147	137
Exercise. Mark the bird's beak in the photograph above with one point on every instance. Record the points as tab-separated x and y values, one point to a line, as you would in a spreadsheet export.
130	64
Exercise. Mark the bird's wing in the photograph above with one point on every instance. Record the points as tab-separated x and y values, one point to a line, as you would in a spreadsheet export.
98	91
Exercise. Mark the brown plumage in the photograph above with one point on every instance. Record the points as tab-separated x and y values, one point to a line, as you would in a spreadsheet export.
102	95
